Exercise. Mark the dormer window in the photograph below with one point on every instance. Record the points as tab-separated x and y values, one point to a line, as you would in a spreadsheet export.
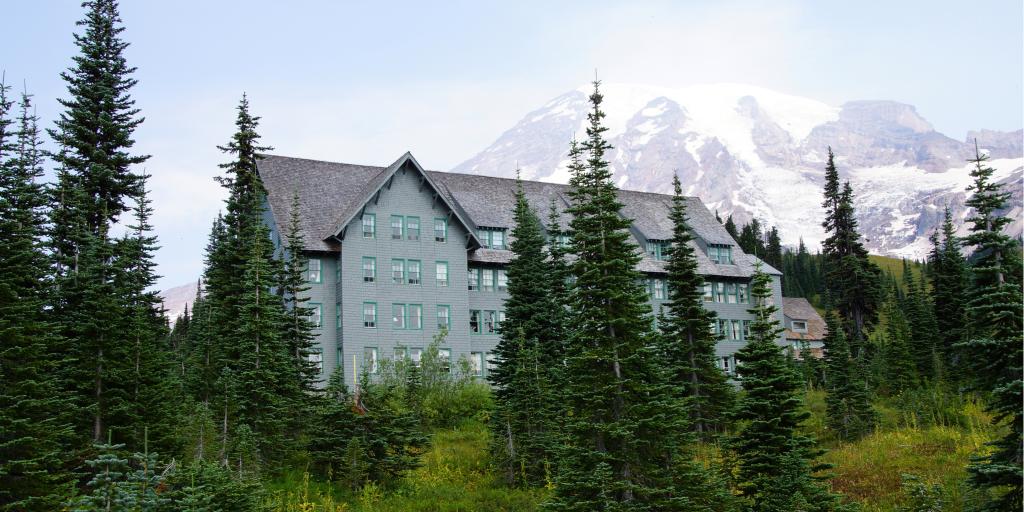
657	249
721	254
492	238
799	326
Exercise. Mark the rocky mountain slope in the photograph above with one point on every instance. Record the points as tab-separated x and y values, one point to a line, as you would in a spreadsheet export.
176	299
752	152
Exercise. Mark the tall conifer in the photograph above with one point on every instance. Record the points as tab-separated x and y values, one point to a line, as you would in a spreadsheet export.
687	331
948	272
994	351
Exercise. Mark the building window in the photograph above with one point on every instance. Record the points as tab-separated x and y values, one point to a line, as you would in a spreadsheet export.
476	363
445	355
746	329
474	279
440	230
720	292
370	314
730	293
398	316
492	238
657	249
492	362
726	367
502	280
316	314
397	227
474	321
415	316
737	330
444	317
369	269
414	271
398	271
416	354
659	288
742	296
721	254
501	320
337	316
490	317
799	326
412	228
316	358
369	225
313	271
488	280
723	328
370	359
401	353
709	295
442	274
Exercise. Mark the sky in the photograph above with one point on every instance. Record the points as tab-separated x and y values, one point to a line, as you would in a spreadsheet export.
363	82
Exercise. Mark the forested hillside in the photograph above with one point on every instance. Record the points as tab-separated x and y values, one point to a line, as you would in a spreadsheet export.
596	402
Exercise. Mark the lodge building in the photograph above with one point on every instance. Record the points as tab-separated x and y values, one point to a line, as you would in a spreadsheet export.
398	253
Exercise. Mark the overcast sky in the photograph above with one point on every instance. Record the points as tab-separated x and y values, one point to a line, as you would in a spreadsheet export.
363	82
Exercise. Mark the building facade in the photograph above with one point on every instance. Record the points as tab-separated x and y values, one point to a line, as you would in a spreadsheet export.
398	254
805	328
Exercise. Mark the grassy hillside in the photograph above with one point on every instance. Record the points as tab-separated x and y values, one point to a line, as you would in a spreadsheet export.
931	448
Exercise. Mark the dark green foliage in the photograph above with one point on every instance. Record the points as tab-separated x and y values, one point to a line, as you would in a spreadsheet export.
851	279
528	355
730	226
948	273
773	248
121	482
209	487
34	433
298	330
994	350
686	329
624	428
899	370
802	274
751	239
775	459
848	400
922	326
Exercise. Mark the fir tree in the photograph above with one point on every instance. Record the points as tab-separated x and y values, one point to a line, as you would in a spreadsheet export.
773	248
730	226
994	350
949	290
851	279
95	186
751	238
900	368
922	326
624	426
848	403
687	331
775	459
526	354
298	331
35	439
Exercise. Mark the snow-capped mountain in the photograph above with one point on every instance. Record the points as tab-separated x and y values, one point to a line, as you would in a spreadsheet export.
176	299
752	152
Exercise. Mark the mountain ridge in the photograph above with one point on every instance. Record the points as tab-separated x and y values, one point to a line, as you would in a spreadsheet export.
753	152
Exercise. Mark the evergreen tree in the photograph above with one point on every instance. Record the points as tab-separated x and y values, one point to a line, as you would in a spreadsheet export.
527	354
922	326
624	426
298	331
95	186
35	439
848	403
900	368
949	290
687	331
994	350
851	279
730	226
773	248
775	459
751	239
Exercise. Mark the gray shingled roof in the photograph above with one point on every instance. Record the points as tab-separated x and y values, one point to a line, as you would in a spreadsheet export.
330	193
798	308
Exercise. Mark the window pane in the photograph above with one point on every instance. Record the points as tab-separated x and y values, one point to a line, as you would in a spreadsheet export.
476	363
708	295
473	277
369	270
488	277
313	270
412	225
316	357
489	318
396	227
442	273
417	355
474	321
369	226
743	298
443	317
316	314
736	333
369	315
659	289
719	292
370	359
440	230
401	353
398	271
502	280
415	316
730	293
398	316
498	239
501	320
414	272
445	354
